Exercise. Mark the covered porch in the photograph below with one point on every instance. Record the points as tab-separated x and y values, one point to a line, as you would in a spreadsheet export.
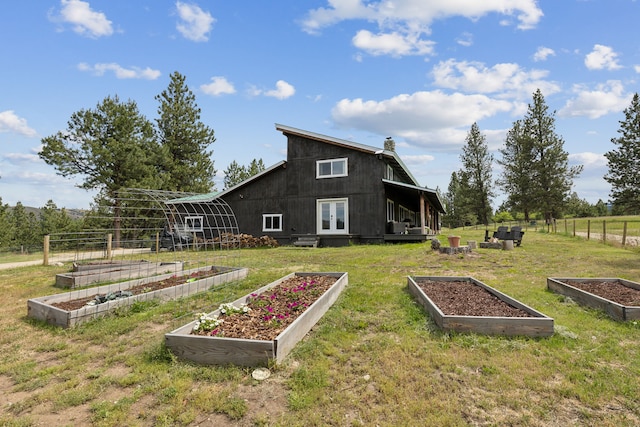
413	212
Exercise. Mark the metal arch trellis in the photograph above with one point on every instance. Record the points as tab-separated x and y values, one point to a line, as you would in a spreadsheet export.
191	220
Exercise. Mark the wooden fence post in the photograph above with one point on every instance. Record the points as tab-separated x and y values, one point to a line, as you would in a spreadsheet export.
604	231
157	242
624	233
45	245
588	229
574	228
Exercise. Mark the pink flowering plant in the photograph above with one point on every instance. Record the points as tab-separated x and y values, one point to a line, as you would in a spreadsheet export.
265	315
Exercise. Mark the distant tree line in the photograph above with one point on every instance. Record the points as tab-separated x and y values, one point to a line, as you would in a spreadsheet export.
22	230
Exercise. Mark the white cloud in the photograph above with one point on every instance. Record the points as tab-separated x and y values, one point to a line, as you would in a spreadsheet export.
606	98
417	160
218	86
433	119
508	80
465	39
120	72
412	13
84	21
636	68
589	160
602	57
543	53
195	23
23	158
402	24
283	90
10	122
394	44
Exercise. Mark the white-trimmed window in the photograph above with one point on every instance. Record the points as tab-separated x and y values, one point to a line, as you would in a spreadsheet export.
271	222
193	224
391	210
390	173
407	214
332	168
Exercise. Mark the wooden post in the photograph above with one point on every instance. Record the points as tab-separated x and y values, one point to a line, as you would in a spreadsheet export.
109	239
422	215
157	242
604	231
624	233
565	226
45	260
588	229
574	228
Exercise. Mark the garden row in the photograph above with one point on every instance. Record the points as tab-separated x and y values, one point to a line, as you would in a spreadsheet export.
265	325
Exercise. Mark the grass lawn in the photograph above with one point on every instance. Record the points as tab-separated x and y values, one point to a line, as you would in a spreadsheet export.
375	358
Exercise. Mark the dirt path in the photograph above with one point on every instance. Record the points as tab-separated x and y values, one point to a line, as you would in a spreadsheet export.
70	257
630	240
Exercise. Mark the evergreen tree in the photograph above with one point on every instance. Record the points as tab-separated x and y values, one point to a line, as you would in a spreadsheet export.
624	162
477	163
517	174
457	202
235	173
111	147
24	227
255	167
5	226
186	139
537	173
53	220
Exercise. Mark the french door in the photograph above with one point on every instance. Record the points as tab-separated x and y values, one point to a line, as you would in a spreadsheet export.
333	216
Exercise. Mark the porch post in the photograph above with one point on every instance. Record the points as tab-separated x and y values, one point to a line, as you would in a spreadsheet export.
422	217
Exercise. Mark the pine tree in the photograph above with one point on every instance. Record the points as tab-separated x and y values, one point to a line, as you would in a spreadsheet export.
235	174
111	147
624	162
537	174
517	174
185	138
477	163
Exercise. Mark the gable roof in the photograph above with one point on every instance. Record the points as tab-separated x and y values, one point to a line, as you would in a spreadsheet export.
208	197
392	156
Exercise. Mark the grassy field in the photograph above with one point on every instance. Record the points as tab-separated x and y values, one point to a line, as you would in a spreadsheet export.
375	358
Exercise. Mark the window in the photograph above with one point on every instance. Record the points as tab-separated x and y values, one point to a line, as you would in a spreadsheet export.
272	222
391	212
389	173
193	223
407	214
331	168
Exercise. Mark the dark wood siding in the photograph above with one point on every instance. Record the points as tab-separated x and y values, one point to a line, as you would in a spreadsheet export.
266	195
293	190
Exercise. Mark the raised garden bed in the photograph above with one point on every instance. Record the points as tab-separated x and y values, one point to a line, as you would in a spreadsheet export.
464	304
70	308
619	298
88	274
254	349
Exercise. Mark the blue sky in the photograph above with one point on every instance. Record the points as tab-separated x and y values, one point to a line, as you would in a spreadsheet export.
419	71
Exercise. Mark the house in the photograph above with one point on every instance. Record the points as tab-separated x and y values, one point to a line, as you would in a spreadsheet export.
334	192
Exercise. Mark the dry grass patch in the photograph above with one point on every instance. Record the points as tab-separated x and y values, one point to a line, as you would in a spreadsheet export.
375	358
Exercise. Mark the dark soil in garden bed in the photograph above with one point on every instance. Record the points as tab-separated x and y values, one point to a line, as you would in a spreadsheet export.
272	311
464	298
611	290
144	288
